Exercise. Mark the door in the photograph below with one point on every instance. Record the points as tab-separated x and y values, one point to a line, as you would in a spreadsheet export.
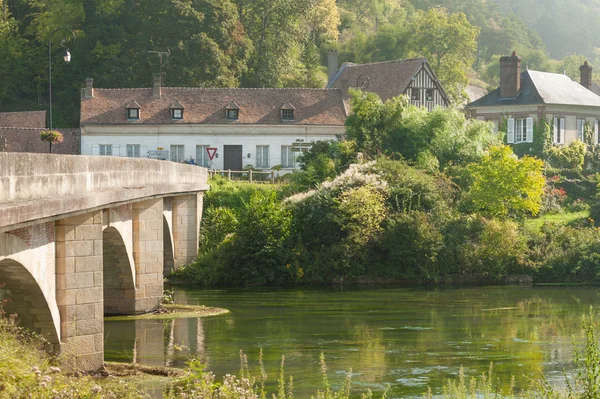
232	157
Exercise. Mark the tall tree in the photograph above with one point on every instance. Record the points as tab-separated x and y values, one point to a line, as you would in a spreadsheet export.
448	41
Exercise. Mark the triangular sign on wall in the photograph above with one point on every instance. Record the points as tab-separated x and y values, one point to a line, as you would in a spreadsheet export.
211	151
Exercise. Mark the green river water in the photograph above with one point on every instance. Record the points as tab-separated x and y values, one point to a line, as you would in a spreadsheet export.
408	338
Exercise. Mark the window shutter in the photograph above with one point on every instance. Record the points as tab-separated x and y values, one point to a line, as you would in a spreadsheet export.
510	131
555	137
529	130
595	132
561	130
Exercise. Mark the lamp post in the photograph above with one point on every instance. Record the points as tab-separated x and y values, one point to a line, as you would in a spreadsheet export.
66	57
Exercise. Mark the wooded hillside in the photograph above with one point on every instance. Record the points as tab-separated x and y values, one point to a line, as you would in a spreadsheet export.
258	43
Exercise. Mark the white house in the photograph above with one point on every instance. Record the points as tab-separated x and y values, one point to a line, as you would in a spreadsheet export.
246	126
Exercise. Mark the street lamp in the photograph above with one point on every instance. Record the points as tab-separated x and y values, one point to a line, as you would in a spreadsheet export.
66	57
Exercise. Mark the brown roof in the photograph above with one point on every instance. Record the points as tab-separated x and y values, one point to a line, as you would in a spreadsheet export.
28	119
387	79
203	105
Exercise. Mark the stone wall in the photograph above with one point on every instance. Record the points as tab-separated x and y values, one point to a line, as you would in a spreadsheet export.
28	140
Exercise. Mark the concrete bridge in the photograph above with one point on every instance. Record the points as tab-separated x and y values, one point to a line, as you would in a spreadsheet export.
82	236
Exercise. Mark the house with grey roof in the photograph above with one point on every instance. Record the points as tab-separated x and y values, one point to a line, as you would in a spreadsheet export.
412	77
220	128
529	97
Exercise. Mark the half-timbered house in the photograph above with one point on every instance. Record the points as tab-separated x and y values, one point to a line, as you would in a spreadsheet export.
412	77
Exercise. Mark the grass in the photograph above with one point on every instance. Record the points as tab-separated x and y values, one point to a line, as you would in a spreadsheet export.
27	371
559	218
174	311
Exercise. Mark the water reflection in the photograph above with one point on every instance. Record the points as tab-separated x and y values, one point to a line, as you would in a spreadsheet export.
407	338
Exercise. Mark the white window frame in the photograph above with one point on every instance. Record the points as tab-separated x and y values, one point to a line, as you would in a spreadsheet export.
133	150
202	158
519	130
580	129
105	149
558	130
287	114
177	152
262	156
177	113
286	155
136	116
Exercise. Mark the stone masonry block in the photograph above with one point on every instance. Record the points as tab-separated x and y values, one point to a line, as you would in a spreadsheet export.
64	298
151	278
79	312
88	264
88	295
98	247
66	233
79	248
98	279
154	290
60	249
149	235
90	327
99	342
87	218
90	362
154	224
81	344
154	246
88	232
79	280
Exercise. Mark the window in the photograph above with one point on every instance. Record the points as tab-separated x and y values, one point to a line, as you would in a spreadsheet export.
429	95
176	113
519	130
580	129
558	130
262	156
133	113
287	114
202	156
415	94
233	114
177	153
133	150
288	157
105	149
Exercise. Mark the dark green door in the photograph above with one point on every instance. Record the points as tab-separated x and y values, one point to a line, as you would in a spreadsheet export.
233	157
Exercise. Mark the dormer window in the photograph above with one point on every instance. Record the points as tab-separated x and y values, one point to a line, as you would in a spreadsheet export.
177	111
287	112
133	111
232	112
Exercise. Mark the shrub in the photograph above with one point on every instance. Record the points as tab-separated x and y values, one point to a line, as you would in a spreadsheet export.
411	243
217	223
571	156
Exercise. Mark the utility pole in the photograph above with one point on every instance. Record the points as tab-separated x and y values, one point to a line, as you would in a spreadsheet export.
161	54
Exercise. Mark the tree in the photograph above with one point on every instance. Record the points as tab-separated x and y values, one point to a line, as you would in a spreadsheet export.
504	184
448	41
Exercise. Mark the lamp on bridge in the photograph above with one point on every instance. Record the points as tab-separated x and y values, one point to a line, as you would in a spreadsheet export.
66	57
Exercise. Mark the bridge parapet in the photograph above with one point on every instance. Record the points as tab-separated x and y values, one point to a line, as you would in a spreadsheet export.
35	187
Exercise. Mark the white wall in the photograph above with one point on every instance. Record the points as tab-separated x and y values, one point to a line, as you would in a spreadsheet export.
248	136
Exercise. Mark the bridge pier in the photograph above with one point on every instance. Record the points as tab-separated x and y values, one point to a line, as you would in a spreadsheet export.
79	290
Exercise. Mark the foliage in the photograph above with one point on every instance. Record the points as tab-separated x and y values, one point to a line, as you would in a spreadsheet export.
449	41
506	185
553	197
51	136
571	156
26	370
325	160
542	142
397	127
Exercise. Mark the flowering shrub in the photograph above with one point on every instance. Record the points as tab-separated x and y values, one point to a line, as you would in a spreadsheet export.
51	136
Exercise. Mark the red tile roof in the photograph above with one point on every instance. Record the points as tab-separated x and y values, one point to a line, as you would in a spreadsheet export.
207	106
28	119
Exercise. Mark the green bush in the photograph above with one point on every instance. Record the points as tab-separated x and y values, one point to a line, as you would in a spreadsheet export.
571	156
217	223
411	244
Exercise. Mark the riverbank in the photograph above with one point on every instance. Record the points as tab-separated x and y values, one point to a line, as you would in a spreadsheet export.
172	312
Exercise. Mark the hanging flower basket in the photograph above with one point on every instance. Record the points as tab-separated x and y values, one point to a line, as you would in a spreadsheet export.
51	136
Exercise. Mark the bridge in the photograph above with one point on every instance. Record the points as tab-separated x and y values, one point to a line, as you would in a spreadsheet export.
83	236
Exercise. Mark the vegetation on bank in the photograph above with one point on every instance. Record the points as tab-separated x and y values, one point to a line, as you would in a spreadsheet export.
27	371
408	196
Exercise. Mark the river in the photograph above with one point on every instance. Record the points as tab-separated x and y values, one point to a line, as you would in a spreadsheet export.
409	339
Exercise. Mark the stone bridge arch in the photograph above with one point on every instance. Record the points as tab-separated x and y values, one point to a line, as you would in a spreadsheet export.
118	280
27	270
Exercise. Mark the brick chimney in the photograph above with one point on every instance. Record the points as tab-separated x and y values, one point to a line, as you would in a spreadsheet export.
510	76
585	75
332	64
89	88
157	82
